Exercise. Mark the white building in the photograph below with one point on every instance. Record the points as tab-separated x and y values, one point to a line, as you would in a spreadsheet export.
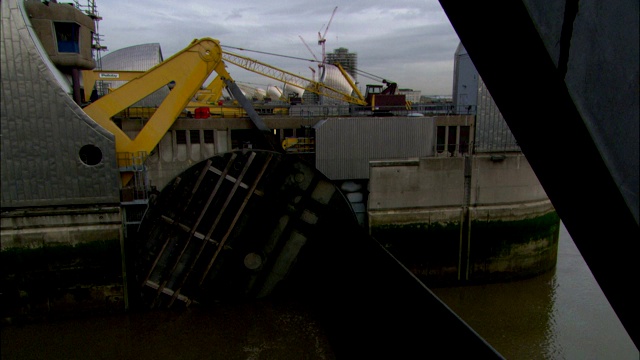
411	95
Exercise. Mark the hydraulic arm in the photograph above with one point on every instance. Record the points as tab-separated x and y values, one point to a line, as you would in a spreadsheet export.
188	69
90	77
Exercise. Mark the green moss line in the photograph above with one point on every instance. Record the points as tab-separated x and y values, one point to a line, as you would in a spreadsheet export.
545	226
416	231
520	231
92	254
437	243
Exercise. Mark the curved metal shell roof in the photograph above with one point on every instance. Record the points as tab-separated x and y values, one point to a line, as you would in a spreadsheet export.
136	58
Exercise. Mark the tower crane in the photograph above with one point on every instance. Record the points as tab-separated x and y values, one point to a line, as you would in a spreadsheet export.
314	56
322	39
313	71
308	48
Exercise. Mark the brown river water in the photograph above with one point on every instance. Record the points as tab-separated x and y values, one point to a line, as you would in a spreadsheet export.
562	314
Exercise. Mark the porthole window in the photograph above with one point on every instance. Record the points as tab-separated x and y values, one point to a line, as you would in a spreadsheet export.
90	155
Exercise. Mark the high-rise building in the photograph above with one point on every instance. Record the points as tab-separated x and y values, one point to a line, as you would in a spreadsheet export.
349	61
471	96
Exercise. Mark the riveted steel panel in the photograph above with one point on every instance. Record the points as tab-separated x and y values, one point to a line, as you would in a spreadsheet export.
233	227
44	130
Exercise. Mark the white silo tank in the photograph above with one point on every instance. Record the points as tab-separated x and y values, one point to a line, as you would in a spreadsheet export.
333	77
274	92
292	89
261	93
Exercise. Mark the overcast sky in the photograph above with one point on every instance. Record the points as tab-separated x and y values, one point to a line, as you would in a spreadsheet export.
410	42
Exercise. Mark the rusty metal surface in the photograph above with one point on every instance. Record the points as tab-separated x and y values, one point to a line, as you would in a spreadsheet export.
258	225
232	227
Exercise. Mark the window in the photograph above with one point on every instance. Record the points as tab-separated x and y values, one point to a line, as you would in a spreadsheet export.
464	139
451	143
440	139
90	155
181	137
68	37
208	136
194	136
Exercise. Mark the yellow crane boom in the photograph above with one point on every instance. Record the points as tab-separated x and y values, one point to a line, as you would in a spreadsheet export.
188	69
289	78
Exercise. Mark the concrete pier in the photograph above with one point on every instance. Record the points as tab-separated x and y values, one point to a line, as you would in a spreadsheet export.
465	219
58	261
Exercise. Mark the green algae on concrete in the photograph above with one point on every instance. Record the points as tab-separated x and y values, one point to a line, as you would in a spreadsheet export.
498	250
61	261
54	280
513	249
429	250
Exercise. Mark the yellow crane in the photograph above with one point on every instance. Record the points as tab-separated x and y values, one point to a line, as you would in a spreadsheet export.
209	96
289	78
214	90
186	71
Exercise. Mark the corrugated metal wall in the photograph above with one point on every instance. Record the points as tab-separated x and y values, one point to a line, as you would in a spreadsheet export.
492	132
344	146
43	130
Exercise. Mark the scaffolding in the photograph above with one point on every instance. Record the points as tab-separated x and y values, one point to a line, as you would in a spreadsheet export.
135	196
91	9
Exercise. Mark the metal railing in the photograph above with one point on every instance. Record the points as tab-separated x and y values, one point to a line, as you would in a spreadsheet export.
139	188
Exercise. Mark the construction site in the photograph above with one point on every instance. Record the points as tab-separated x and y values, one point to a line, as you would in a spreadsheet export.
137	183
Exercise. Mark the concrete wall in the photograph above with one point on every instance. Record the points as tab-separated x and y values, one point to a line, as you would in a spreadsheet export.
504	181
61	261
60	248
453	219
440	182
170	158
428	182
43	18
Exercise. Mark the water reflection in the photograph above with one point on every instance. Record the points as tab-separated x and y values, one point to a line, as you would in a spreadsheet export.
514	317
262	330
562	314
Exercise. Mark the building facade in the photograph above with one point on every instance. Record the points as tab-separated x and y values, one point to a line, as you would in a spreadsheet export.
348	60
471	97
413	96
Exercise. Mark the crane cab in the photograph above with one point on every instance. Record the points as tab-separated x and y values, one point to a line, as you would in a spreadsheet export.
382	101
